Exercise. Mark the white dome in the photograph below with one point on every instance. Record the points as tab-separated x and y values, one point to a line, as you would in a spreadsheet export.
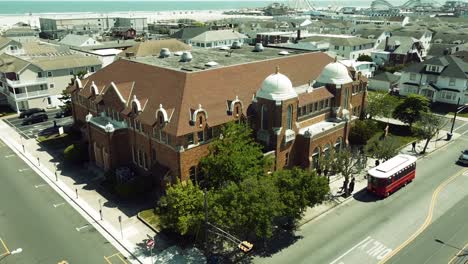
277	87
334	73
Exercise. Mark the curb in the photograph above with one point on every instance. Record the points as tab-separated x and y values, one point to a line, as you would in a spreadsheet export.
146	223
51	181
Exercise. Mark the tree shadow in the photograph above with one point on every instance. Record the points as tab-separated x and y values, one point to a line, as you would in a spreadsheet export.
281	239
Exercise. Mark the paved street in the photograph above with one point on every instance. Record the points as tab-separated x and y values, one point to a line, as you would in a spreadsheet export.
36	219
31	131
370	230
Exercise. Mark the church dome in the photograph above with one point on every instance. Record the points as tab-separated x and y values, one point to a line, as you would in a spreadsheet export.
334	73
277	87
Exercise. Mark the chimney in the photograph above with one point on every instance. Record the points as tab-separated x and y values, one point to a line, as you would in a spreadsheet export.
386	43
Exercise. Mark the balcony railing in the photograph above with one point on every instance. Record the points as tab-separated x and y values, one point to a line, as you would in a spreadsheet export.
28	95
21	83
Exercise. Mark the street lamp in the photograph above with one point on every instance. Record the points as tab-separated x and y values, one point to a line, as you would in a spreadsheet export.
16	251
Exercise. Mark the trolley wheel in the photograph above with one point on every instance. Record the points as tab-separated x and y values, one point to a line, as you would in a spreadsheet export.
387	194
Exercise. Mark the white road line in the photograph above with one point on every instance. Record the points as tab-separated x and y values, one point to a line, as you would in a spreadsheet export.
79	228
351	249
57	205
39	186
460	126
9	156
25	169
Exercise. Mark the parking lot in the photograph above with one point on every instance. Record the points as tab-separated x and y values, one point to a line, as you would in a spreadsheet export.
32	131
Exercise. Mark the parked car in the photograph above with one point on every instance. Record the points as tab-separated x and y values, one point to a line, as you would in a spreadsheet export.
35	118
463	159
31	111
63	113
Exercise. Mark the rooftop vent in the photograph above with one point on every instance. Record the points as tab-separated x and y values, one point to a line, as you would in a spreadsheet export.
225	48
211	64
178	53
236	45
186	56
164	53
283	52
259	47
129	54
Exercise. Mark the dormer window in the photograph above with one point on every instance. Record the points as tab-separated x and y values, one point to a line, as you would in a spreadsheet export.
200	121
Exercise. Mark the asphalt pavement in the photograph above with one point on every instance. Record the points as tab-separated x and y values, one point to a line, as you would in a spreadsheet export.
33	130
370	230
35	219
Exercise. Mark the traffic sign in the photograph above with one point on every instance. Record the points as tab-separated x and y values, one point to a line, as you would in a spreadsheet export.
150	243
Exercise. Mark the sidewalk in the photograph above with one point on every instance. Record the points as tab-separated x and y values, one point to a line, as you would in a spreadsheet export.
336	181
89	201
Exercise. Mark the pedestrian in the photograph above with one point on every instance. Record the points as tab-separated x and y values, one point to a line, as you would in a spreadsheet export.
55	124
345	183
414	146
351	187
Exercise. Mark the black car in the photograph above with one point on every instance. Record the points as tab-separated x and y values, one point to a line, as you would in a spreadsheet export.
63	113
31	111
35	118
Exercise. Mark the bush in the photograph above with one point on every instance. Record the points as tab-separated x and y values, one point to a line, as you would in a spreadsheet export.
76	154
364	58
362	131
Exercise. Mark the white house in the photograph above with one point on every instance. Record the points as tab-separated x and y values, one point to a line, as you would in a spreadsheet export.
217	38
28	82
441	79
364	67
10	46
348	47
384	81
78	41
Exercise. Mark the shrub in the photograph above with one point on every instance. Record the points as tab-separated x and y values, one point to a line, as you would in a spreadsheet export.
76	154
362	131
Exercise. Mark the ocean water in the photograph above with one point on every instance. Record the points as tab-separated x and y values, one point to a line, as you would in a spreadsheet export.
34	7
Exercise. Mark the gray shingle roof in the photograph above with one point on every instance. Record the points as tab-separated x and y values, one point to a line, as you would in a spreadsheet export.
76	40
404	44
455	67
218	35
387	77
353	41
189	32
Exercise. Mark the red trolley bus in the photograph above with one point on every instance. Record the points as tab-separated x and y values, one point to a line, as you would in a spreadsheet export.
389	176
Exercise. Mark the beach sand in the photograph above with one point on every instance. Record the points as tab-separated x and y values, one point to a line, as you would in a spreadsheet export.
7	21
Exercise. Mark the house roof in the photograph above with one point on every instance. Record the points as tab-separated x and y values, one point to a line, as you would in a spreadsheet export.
386	77
450	36
211	89
64	62
404	44
153	47
76	40
40	48
340	41
453	67
9	63
6	41
20	30
317	94
218	35
404	32
189	32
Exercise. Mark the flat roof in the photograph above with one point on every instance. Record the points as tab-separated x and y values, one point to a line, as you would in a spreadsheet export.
223	58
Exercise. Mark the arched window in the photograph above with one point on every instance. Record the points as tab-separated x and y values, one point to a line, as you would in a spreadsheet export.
264	117
326	150
315	158
134	108
289	117
200	120
338	144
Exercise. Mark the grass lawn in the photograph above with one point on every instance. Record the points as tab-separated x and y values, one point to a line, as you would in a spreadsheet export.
151	218
403	134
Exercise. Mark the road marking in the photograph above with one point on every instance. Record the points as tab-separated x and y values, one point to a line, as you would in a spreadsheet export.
458	253
57	205
428	220
25	169
118	255
7	251
351	249
39	186
460	126
9	156
83	227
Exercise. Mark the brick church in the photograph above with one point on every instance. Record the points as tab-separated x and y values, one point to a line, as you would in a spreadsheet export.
157	115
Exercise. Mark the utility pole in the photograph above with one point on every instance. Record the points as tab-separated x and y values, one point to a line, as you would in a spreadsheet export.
455	116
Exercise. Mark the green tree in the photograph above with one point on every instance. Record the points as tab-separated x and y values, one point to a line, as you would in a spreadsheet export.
181	209
411	109
299	189
428	126
382	149
362	131
233	157
364	57
348	163
380	104
65	98
248	208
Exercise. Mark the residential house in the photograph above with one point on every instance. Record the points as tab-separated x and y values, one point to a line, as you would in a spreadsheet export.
384	81
442	79
217	39
398	50
381	20
366	68
38	81
348	47
10	46
158	116
22	34
187	33
78	41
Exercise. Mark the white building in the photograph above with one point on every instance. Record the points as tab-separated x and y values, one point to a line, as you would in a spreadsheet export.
384	81
10	46
441	79
78	41
217	38
348	47
366	68
28	82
